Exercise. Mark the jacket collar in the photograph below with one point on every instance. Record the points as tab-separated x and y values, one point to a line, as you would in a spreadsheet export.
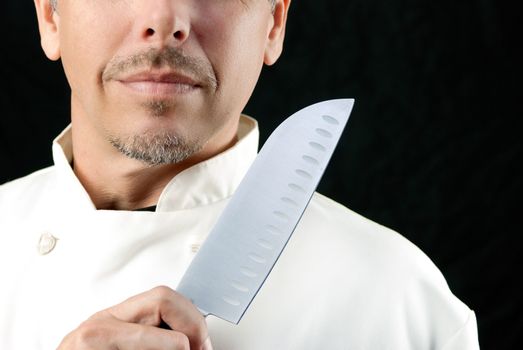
207	182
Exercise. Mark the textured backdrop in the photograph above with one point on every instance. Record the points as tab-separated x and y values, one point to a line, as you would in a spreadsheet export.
432	148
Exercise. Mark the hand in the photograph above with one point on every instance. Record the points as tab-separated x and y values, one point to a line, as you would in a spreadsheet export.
157	319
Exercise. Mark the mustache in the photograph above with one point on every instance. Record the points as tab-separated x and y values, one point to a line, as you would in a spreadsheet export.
174	58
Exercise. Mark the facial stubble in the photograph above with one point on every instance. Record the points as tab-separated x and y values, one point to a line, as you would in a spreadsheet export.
156	148
163	146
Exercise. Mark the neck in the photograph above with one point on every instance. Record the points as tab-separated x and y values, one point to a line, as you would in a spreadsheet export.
116	182
118	185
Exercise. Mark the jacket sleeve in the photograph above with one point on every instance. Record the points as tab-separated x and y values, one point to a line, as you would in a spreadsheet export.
466	338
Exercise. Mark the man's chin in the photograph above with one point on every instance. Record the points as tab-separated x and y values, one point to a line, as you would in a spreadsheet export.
156	148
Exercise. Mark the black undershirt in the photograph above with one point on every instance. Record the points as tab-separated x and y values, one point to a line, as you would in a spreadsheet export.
151	208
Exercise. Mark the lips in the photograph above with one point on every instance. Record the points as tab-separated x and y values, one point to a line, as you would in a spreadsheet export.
159	84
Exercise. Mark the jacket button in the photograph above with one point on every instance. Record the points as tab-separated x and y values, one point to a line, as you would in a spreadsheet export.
46	243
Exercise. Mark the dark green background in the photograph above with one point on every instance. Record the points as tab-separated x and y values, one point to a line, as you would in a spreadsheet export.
432	148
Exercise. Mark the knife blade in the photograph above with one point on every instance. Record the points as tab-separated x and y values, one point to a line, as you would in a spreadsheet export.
255	226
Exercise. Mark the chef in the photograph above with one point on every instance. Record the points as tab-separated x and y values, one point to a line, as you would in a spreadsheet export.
94	246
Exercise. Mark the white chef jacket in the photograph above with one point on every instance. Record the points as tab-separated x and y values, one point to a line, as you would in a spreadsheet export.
342	282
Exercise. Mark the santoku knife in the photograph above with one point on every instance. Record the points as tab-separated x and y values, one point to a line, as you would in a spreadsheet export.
251	233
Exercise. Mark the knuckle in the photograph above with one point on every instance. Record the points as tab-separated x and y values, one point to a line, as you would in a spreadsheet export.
165	297
89	332
162	299
100	315
160	308
162	292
